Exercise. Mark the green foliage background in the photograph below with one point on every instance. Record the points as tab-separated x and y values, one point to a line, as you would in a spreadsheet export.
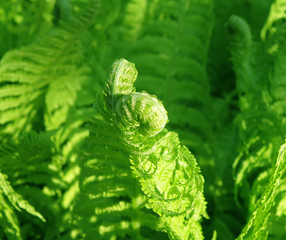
219	68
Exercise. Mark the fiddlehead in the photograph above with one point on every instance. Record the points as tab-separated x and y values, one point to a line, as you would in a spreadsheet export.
240	32
135	113
120	82
244	52
167	171
142	113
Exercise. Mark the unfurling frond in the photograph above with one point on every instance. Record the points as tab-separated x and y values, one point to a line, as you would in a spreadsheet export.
239	31
167	171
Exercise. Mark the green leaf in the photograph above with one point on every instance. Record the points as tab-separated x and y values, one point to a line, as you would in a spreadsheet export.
16	199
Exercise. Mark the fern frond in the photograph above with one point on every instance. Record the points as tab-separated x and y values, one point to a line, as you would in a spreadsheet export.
240	31
257	223
260	99
35	186
120	83
8	220
243	50
27	74
110	203
16	200
168	173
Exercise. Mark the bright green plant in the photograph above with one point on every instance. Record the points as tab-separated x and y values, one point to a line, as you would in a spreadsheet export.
85	155
167	172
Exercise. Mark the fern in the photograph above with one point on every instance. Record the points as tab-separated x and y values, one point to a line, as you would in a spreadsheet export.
167	172
16	200
255	166
29	77
84	159
8	220
30	185
28	74
255	229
